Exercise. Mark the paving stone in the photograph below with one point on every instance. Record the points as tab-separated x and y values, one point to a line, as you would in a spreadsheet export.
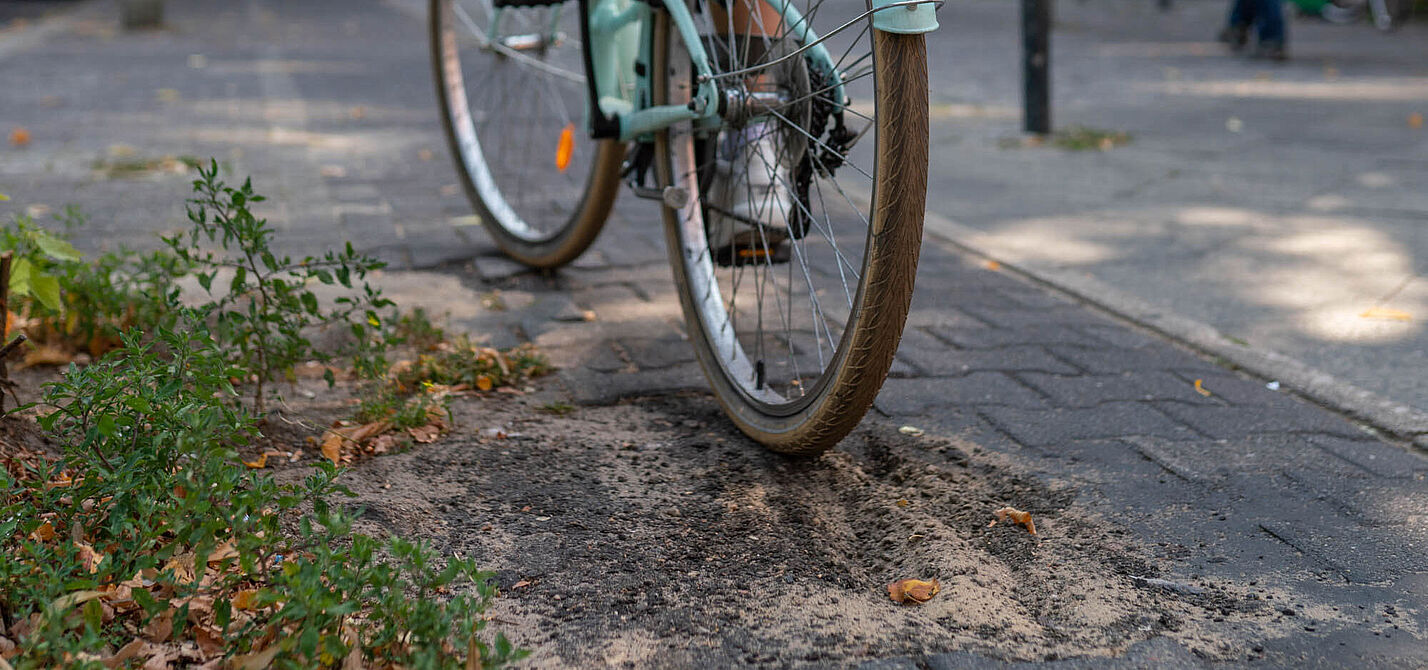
1210	462
1384	460
950	362
901	397
1118	335
996	338
940	317
498	267
604	357
1360	555
1113	361
1008	317
588	387
656	353
905	663
961	660
1050	427
1233	422
1157	653
1092	390
1233	389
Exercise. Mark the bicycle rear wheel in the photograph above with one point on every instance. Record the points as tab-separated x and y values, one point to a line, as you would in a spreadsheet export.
512	99
796	315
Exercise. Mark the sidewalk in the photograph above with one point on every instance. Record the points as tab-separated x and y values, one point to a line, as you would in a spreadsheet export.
1264	208
329	106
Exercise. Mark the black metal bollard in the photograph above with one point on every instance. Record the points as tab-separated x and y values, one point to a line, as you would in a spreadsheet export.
1036	65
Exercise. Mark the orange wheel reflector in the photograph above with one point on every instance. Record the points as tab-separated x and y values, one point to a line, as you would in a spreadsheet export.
565	148
753	253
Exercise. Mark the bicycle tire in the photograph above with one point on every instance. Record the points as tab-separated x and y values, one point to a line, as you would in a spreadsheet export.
847	384
571	216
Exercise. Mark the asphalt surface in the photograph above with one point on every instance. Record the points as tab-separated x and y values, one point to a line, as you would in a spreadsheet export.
329	105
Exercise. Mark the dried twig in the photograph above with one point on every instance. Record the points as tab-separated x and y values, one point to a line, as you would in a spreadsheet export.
5	384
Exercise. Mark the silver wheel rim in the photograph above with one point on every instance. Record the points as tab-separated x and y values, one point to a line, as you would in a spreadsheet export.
822	276
519	129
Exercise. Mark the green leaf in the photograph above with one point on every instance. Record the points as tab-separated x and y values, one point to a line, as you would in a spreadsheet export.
47	290
106	425
240	279
20	276
55	247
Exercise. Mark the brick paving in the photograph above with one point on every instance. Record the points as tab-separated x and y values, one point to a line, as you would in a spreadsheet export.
1245	484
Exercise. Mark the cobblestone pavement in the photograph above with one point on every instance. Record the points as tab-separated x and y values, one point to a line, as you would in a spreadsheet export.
329	105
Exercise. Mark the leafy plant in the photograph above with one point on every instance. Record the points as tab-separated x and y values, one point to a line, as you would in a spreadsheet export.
148	522
38	255
266	310
66	301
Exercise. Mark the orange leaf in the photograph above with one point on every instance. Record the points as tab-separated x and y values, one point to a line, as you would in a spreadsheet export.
484	383
332	447
246	599
1415	120
19	137
258	463
1017	516
1200	388
913	591
44	533
992	265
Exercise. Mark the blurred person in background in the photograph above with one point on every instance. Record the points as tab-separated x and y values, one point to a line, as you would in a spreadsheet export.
1264	15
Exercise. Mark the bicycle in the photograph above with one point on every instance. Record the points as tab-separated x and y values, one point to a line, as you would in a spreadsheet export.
1385	15
792	182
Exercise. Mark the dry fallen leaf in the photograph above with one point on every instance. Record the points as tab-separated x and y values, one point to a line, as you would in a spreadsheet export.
1017	516
246	599
259	463
992	265
425	434
223	552
19	137
902	502
1415	120
1200	388
914	591
89	557
484	383
44	533
332	447
160	627
1386	314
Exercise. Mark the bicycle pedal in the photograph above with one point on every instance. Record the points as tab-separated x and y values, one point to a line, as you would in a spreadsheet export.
740	256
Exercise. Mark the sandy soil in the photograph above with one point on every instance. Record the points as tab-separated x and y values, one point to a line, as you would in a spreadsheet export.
648	534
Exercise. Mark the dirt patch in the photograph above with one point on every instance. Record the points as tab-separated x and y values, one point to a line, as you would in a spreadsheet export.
647	535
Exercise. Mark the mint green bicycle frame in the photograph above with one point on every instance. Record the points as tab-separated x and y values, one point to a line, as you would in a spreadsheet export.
619	57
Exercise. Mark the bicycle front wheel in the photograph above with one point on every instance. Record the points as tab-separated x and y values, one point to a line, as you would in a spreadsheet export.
797	248
511	86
